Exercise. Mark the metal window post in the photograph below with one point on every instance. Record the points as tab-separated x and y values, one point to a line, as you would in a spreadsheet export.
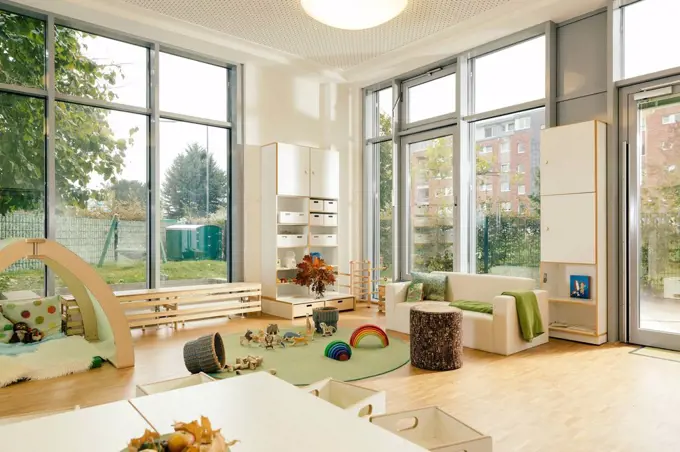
155	213
50	149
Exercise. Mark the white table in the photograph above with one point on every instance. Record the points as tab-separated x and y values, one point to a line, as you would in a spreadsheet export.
104	428
268	414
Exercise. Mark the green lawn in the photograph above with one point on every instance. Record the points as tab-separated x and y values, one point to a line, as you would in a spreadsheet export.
128	273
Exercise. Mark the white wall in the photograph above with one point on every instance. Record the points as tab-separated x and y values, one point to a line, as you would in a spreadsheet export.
286	100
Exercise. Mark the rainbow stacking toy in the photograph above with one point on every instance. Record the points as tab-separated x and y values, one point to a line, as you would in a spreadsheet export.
368	330
338	350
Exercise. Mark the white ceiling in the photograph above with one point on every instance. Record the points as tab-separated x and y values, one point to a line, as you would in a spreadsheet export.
283	25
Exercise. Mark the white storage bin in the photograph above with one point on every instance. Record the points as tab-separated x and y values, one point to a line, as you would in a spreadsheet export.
435	430
292	218
177	383
323	240
316	205
361	402
316	219
330	206
283	240
330	220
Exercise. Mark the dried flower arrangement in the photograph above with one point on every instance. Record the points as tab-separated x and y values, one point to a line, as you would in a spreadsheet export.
314	273
191	437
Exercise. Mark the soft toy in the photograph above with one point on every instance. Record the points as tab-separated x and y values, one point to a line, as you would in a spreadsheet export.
21	333
35	336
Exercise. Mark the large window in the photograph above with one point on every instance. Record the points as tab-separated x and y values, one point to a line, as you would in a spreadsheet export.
430	99
194	195
508	217
510	76
648	36
101	155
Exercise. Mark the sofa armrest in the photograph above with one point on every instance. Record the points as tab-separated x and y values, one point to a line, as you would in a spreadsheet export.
507	337
395	293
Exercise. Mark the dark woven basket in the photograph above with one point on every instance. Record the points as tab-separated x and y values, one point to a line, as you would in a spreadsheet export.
205	354
328	315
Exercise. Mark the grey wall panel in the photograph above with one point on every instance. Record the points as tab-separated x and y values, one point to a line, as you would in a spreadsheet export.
582	57
582	109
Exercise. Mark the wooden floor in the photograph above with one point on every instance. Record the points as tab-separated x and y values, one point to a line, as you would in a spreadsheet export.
559	397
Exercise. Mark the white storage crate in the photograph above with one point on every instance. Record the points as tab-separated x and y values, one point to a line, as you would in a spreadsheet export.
330	206
330	220
288	240
316	205
434	430
292	218
323	240
361	402
316	219
177	383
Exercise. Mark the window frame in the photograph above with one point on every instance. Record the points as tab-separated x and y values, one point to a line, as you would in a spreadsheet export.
234	126
422	79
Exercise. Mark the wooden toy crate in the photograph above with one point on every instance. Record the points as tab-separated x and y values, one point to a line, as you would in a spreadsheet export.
359	401
177	383
434	430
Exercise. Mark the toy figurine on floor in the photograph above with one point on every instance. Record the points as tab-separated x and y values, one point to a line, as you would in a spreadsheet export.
289	336
327	330
269	342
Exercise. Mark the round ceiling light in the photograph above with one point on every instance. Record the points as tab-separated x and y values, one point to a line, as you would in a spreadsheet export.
353	14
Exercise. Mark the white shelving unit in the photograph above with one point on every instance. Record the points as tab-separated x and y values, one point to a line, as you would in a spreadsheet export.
573	228
299	211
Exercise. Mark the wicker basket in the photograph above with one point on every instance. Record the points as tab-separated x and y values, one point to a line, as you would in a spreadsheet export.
205	354
328	315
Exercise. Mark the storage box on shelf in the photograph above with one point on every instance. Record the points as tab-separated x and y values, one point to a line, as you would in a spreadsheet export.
434	430
573	229
300	191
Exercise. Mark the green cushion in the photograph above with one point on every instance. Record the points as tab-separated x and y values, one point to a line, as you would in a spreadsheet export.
476	306
434	285
415	292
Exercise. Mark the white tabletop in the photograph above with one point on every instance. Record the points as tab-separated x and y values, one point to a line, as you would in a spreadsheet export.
267	414
104	428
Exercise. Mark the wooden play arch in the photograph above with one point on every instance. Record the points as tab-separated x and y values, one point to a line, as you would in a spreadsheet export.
103	318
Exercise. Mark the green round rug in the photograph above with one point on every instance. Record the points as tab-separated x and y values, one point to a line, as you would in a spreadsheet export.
306	364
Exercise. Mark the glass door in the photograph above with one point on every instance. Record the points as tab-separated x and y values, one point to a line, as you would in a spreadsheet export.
432	194
651	121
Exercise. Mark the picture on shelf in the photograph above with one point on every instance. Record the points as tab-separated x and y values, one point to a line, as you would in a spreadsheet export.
579	286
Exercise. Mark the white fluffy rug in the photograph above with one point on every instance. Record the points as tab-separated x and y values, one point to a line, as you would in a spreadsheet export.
50	360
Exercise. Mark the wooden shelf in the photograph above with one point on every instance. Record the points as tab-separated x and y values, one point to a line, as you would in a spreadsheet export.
324	246
285	269
574	329
292	224
588	302
297	246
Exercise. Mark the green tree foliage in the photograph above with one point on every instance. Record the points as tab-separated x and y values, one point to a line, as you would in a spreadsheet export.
184	187
85	145
126	190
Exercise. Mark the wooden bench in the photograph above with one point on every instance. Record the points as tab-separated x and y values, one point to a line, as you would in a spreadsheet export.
173	305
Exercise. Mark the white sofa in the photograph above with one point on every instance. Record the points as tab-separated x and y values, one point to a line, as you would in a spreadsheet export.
496	333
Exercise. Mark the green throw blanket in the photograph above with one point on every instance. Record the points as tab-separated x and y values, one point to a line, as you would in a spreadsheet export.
475	306
528	314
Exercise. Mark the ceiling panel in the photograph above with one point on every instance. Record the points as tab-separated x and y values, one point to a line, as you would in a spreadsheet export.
283	25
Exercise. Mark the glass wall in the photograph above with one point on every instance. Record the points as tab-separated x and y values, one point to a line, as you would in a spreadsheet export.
648	29
100	155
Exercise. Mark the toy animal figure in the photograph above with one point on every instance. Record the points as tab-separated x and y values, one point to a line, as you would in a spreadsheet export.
327	330
21	333
269	342
35	335
273	329
278	340
259	339
288	336
310	329
301	340
247	338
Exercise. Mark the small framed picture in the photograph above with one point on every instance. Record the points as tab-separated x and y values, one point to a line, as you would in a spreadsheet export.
579	286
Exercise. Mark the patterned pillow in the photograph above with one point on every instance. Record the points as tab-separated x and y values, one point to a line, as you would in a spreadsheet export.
6	330
43	314
434	285
415	292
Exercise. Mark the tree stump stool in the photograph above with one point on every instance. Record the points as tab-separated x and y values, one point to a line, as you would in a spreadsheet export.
436	337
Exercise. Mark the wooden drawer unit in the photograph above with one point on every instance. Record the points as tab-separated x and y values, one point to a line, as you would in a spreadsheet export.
343	304
303	309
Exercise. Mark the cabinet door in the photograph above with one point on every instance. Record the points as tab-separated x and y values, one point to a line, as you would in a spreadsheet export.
568	159
292	170
325	180
568	228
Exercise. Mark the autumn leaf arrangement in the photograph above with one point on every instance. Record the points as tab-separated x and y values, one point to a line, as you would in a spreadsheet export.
314	273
